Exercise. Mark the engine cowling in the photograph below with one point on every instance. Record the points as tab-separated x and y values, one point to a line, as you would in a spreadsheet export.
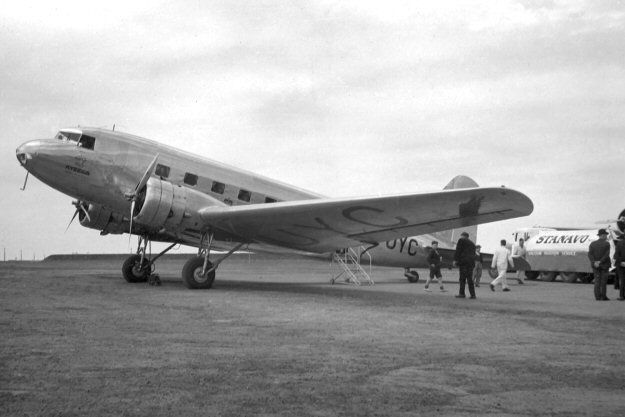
171	207
103	219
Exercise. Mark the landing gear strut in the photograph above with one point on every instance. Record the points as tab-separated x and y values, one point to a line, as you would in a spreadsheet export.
139	267
198	272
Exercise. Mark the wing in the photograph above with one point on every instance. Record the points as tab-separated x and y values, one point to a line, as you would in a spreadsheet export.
328	224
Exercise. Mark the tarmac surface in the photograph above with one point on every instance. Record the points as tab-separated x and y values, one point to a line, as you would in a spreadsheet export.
273	337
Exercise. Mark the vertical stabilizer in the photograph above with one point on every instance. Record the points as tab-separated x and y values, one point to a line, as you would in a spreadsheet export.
451	236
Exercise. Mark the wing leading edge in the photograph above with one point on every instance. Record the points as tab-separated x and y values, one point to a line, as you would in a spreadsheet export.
324	225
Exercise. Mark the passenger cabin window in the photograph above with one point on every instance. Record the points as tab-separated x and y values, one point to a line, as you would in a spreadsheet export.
87	142
244	195
218	187
270	200
190	179
162	171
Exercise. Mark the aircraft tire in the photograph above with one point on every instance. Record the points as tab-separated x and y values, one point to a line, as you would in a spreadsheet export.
548	276
412	276
133	271
569	277
531	275
192	274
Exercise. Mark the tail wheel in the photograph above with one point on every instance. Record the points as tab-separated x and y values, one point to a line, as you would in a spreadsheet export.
531	274
192	274
134	270
548	276
569	277
412	276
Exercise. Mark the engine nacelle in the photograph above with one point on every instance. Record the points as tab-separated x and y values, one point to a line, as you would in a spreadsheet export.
171	207
103	219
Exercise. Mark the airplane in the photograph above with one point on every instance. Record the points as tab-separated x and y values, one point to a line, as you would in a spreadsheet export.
127	184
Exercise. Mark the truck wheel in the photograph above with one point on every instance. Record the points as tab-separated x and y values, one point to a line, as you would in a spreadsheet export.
531	275
569	277
548	276
585	278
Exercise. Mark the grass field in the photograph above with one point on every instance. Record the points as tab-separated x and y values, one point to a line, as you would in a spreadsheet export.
274	338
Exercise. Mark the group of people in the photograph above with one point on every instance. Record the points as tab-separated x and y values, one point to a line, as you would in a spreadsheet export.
468	258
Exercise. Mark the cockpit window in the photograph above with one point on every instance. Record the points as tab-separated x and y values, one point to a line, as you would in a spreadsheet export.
69	135
87	142
76	136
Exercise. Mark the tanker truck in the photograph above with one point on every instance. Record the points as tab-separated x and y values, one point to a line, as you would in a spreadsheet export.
553	252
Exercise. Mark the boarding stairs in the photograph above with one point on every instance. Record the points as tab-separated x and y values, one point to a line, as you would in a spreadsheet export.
346	267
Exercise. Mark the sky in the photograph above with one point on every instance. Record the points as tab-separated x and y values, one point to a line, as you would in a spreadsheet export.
349	98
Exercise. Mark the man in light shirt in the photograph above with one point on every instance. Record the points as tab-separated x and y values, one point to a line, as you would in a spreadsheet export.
501	258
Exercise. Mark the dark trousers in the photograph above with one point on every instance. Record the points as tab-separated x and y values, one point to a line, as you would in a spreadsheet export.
466	277
620	273
601	281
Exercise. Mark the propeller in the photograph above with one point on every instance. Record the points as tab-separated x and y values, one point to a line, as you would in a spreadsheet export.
79	207
134	195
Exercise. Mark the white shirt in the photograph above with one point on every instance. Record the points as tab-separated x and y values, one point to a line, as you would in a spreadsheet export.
500	258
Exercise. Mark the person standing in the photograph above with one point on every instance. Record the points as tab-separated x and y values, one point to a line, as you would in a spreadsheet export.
501	259
464	258
599	256
435	260
619	261
477	270
519	251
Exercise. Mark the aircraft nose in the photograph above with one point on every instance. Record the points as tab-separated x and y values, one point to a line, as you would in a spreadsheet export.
26	151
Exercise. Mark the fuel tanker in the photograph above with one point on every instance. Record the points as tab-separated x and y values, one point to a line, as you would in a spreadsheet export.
553	252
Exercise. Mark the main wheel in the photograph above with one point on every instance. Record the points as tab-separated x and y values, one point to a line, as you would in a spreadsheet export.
531	274
135	271
548	276
569	277
192	274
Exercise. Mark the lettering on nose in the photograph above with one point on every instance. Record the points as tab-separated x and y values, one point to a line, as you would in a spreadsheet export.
76	170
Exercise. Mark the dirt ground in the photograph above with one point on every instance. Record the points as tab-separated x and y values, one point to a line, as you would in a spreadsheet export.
273	337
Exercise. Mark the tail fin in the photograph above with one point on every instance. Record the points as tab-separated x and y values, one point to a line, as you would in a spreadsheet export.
460	181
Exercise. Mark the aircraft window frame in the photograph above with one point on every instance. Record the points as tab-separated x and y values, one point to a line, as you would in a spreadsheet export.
218	187
270	200
244	195
162	170
190	179
69	136
87	142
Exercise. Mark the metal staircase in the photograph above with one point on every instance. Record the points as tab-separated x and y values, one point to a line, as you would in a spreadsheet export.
346	268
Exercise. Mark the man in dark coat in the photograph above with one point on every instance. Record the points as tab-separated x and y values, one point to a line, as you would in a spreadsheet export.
464	258
619	261
599	255
434	260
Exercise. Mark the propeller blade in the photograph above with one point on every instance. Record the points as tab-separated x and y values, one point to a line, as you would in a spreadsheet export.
70	222
146	176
